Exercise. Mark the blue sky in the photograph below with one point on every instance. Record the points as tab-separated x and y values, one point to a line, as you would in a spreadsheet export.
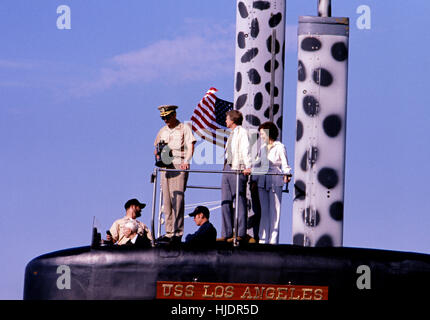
78	116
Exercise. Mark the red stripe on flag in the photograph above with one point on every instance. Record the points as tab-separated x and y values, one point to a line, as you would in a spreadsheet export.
210	115
196	121
210	106
208	124
210	137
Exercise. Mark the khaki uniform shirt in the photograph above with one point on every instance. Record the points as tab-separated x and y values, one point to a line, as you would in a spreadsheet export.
117	230
180	140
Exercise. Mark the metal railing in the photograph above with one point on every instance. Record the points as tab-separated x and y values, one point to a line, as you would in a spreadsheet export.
154	179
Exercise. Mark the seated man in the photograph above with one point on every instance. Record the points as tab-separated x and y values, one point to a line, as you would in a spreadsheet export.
206	234
133	238
133	210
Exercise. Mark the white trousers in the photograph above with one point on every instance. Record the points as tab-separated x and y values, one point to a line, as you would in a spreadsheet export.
270	202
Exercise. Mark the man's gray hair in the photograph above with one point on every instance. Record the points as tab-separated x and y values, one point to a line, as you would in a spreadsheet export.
132	225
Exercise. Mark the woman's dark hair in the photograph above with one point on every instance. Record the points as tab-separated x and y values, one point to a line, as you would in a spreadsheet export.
235	116
273	130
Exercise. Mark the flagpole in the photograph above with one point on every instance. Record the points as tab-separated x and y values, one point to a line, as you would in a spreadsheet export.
154	178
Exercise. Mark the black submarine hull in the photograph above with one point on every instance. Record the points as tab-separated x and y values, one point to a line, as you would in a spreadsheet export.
112	273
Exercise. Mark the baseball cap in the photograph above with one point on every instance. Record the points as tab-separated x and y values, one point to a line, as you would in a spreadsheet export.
134	202
200	209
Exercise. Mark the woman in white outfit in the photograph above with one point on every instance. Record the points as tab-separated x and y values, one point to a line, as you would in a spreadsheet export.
273	159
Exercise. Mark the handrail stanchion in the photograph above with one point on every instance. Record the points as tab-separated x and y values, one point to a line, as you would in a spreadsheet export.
154	199
236	209
160	205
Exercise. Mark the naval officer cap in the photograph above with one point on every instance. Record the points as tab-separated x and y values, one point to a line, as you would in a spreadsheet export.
167	109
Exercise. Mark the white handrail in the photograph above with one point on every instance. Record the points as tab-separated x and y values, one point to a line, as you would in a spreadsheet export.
236	172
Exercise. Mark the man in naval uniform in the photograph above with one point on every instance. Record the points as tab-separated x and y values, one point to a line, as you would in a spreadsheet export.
180	141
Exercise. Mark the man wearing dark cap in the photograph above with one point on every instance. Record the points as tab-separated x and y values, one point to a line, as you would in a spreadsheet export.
133	210
206	234
180	140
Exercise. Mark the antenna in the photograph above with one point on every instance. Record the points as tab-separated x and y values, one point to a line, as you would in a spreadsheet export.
324	8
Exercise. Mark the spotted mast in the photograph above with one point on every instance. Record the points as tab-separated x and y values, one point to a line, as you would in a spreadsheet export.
321	129
259	62
259	71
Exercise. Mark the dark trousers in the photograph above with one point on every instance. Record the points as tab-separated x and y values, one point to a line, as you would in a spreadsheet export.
228	195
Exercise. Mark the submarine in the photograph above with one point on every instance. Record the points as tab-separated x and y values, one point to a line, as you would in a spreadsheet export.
315	267
252	272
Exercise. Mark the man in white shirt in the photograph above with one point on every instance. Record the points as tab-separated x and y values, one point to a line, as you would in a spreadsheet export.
237	157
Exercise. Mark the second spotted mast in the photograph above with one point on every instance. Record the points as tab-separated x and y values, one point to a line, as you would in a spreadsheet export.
321	129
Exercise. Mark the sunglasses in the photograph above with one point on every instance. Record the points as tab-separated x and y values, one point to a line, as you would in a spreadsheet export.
166	117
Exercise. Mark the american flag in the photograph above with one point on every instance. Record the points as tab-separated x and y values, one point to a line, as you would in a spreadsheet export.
208	119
